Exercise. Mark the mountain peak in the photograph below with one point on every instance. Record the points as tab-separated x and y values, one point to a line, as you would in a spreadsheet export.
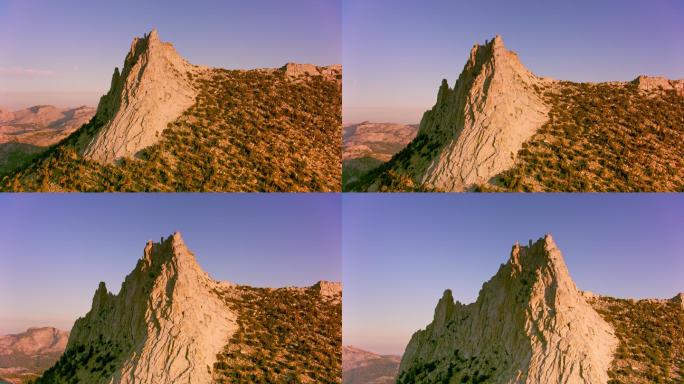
167	321
481	123
150	92
529	324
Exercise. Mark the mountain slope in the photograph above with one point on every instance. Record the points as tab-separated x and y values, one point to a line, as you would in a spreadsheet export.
26	355
167	125
171	322
363	367
651	334
529	324
503	128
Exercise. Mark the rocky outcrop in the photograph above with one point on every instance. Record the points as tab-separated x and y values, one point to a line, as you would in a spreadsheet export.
25	355
152	90
659	84
329	289
166	325
483	121
679	299
530	324
294	70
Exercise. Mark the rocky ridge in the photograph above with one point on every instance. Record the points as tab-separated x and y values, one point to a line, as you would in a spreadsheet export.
151	91
530	324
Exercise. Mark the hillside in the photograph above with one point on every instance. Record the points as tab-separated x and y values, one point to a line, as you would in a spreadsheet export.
26	355
367	145
502	128
171	322
363	367
167	125
651	334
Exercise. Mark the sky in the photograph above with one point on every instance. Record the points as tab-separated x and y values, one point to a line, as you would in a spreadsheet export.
56	248
64	53
396	52
401	251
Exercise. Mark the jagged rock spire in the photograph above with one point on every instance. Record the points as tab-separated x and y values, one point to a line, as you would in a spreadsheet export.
167	320
482	122
151	91
529	324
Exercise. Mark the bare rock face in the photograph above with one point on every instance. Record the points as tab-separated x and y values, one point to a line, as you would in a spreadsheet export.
530	324
491	111
167	323
152	90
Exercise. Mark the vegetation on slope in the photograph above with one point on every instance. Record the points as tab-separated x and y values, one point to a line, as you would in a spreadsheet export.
604	137
78	362
248	131
651	335
285	336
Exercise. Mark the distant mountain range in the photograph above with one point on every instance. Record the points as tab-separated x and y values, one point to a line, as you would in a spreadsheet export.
502	128
367	145
363	367
30	131
26	355
172	323
168	125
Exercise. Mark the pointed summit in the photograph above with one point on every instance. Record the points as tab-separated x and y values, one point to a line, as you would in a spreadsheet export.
475	130
529	324
167	324
151	91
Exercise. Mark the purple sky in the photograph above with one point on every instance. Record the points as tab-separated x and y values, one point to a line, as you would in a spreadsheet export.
401	251
56	248
64	52
396	52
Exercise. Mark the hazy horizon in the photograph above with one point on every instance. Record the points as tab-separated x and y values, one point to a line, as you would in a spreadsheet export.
401	251
396	52
56	248
64	54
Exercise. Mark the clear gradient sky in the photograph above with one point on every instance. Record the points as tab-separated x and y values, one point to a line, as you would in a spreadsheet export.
396	52
56	248
401	251
64	52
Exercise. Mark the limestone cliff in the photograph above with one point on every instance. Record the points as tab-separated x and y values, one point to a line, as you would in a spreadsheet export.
530	324
151	91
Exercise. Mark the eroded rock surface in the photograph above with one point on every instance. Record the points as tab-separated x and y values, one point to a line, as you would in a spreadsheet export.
530	324
491	111
152	90
166	325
